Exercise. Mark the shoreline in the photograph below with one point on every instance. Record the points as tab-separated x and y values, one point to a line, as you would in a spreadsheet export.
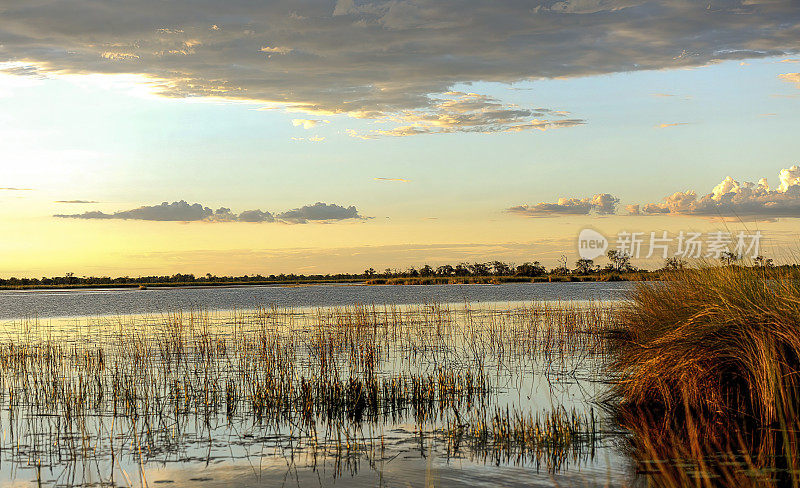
400	281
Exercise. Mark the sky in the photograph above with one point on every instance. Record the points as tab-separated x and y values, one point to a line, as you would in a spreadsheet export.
145	137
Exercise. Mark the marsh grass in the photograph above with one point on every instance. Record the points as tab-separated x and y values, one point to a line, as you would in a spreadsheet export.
549	438
708	367
327	383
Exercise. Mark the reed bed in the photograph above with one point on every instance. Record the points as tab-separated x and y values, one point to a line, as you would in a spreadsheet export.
327	381
550	438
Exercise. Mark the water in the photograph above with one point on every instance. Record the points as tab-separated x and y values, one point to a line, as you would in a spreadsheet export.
73	425
79	303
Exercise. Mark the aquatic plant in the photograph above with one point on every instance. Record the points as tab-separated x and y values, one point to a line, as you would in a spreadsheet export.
325	381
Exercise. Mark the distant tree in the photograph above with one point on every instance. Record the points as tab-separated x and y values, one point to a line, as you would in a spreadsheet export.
619	260
500	268
562	268
445	270
674	264
763	262
728	258
426	270
584	266
531	269
479	269
369	272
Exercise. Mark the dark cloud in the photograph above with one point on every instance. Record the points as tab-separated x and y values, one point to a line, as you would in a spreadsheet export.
319	211
256	216
390	60
93	215
75	201
602	204
173	212
184	212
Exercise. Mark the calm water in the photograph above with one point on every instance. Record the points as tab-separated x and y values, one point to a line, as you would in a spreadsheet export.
78	303
187	429
176	405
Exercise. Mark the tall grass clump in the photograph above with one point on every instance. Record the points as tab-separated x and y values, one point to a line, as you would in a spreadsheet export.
716	341
708	377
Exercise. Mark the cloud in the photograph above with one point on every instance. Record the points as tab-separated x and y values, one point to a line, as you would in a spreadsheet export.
309	139
356	135
790	77
175	211
307	123
319	212
21	69
734	200
400	180
184	212
386	59
11	188
602	204
275	50
674	124
256	216
471	112
75	201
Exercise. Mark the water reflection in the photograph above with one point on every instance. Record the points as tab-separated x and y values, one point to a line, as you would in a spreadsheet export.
370	395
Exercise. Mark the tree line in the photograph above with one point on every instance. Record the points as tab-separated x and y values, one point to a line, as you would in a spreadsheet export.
618	262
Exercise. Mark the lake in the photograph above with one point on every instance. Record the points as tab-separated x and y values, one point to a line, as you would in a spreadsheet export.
452	385
15	304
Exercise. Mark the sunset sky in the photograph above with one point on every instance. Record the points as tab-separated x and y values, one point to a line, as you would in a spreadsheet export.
330	136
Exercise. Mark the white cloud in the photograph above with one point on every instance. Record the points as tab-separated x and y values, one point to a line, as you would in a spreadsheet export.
309	139
276	50
307	123
790	77
731	199
789	177
118	56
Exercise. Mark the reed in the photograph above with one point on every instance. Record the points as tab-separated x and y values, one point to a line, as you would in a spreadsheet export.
722	340
708	372
326	381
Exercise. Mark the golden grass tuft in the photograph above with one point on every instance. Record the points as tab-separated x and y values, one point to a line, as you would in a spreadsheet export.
720	340
708	377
